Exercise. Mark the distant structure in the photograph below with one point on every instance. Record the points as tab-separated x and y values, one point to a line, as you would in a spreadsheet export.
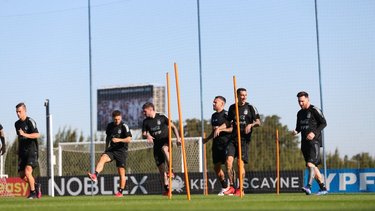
129	100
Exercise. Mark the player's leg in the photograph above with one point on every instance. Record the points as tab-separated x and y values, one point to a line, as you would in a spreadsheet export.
231	153
121	173
318	175
315	155
219	172
219	158
245	144
120	157
305	149
28	161
221	177
165	150
310	178
31	181
242	166
22	175
105	158
160	163
22	160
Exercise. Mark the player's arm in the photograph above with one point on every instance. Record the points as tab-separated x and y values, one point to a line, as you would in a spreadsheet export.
319	117
2	137
125	136
146	135
298	126
249	127
108	137
32	132
107	142
28	135
228	129
175	131
222	128
125	140
256	122
205	140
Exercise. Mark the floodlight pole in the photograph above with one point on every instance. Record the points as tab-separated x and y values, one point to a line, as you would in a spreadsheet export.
46	104
205	179
50	157
92	155
320	86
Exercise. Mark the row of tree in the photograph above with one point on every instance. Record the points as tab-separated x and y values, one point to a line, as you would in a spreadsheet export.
262	155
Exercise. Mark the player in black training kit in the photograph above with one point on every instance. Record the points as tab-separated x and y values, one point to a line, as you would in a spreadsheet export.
2	137
155	130
28	135
117	139
249	118
221	134
310	123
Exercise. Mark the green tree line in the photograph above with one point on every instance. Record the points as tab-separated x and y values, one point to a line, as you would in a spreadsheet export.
262	154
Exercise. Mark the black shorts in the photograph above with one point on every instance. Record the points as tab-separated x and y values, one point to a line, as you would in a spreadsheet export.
219	152
232	149
311	151
27	158
119	156
159	155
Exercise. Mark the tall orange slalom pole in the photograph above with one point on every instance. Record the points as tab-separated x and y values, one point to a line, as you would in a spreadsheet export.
277	163
169	138
182	133
239	159
205	192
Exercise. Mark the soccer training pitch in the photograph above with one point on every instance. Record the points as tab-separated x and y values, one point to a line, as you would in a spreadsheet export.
197	202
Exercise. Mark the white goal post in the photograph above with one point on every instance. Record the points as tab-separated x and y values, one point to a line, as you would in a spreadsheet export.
74	157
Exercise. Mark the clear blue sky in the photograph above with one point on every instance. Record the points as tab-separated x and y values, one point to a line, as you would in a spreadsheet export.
270	46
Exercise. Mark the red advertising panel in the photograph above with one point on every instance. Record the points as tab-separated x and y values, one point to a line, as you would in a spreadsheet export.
13	187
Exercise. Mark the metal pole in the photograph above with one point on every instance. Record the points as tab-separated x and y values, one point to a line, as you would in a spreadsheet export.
46	104
320	85
201	88
60	160
92	155
92	146
53	160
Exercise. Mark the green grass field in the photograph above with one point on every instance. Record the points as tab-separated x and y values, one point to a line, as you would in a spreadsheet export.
197	202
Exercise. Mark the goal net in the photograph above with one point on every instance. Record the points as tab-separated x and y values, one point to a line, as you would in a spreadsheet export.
74	158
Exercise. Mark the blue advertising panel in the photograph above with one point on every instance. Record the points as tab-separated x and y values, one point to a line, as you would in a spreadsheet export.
347	180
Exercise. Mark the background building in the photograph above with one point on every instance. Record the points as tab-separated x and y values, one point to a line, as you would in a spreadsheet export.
129	100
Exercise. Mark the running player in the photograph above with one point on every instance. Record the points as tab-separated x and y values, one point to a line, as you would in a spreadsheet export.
220	134
117	139
28	135
310	123
155	130
2	137
249	118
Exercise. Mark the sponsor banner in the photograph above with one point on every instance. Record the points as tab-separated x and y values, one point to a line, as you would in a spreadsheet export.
13	186
142	184
347	180
265	181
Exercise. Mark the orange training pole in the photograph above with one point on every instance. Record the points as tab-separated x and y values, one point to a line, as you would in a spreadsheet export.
205	167
239	159
277	163
182	133
169	138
